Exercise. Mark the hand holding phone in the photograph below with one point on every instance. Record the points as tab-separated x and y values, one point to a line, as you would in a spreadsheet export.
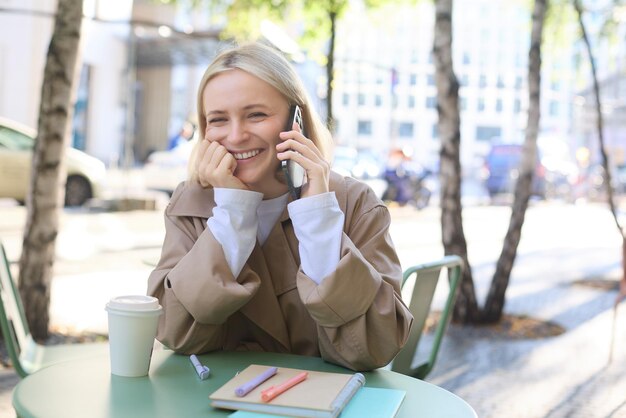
294	173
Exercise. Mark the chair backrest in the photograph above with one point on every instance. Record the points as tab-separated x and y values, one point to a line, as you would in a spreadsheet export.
13	322
426	279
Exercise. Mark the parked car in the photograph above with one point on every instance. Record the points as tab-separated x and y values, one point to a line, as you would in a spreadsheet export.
164	170
85	174
360	164
501	171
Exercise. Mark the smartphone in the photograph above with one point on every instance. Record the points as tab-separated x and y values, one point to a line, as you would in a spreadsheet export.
294	173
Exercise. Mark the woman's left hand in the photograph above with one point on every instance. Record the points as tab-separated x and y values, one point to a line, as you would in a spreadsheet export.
303	151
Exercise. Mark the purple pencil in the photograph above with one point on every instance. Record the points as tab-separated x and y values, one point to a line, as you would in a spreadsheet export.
244	389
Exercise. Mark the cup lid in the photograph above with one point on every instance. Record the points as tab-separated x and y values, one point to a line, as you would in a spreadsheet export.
134	303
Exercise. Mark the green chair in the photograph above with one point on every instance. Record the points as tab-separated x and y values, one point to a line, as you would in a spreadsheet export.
426	279
25	353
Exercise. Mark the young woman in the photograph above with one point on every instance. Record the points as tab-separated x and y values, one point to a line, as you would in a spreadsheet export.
244	266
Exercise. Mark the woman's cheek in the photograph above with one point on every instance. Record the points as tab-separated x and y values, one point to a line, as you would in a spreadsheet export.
212	134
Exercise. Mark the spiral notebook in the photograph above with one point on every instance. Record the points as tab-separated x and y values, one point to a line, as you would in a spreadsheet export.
367	402
321	394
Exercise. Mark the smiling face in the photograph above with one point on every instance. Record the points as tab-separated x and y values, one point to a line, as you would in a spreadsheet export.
245	115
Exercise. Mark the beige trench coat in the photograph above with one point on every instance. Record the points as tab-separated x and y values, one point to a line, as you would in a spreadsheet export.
354	318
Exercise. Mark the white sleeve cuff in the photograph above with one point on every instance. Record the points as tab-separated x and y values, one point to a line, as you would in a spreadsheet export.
318	225
234	224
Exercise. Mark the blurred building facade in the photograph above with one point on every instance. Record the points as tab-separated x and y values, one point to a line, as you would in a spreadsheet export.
99	117
142	63
385	93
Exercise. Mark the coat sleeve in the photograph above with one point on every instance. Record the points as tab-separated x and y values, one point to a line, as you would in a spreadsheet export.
196	288
361	319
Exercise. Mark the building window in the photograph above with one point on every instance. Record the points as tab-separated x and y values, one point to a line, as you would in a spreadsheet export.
431	102
411	102
463	103
361	100
345	99
435	131
500	82
483	81
518	82
81	110
405	129
481	104
365	127
486	133
413	79
378	100
517	105
554	108
499	105
430	79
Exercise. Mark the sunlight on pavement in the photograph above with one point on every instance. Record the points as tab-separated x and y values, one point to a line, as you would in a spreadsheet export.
88	294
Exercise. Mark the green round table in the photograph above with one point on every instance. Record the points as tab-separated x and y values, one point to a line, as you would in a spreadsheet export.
85	388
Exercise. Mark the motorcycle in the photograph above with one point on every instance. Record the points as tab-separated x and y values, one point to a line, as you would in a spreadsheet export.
406	185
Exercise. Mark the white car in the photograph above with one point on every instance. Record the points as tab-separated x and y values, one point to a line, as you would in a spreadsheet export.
164	170
85	174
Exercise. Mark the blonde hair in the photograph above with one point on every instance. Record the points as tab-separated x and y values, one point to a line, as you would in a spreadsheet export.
270	66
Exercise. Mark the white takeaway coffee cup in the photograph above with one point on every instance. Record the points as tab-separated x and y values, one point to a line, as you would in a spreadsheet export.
133	321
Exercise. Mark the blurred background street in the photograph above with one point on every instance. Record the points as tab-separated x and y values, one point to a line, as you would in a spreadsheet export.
134	125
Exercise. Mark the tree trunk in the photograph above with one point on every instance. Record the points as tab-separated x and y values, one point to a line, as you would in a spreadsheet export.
466	307
330	70
494	304
45	197
603	154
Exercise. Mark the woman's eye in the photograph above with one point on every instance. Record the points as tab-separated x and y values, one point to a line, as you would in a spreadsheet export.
213	121
257	115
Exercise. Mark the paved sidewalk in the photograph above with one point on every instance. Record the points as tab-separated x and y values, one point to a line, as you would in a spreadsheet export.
566	376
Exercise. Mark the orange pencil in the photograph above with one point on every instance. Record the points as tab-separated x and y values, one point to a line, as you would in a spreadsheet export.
273	391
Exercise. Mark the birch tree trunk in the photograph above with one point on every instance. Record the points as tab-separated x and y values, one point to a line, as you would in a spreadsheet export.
466	307
494	304
48	175
603	154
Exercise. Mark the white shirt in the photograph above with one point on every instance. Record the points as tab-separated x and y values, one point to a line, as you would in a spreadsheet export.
240	216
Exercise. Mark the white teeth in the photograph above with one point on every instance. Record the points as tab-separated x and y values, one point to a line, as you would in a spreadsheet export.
244	155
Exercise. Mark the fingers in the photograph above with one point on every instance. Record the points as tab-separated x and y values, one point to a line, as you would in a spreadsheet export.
201	163
295	141
303	151
216	167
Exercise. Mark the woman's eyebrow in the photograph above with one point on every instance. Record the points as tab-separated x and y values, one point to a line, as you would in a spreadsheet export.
214	112
255	105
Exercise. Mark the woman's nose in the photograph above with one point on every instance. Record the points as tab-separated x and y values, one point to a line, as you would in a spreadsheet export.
237	133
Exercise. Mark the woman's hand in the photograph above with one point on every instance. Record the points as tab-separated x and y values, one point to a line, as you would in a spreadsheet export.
216	166
303	151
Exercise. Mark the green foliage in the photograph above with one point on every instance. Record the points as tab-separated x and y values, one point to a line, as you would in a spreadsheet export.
560	18
244	18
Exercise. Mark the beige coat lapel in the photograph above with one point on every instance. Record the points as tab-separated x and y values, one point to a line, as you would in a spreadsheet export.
263	309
